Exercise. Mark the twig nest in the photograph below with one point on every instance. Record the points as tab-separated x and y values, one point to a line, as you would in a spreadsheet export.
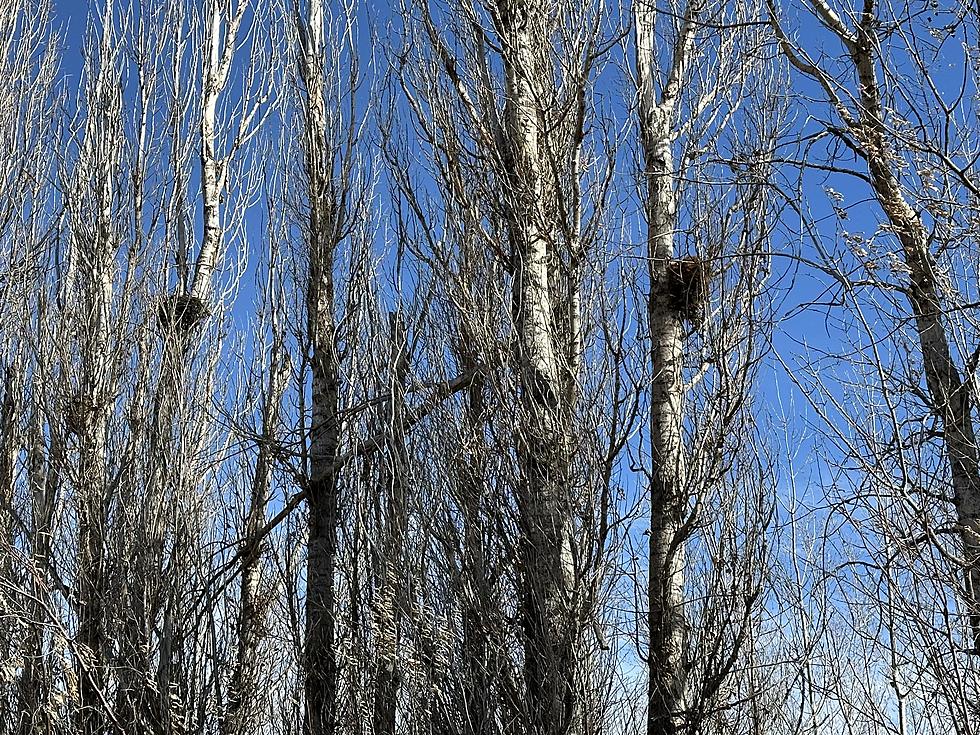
686	282
79	412
183	311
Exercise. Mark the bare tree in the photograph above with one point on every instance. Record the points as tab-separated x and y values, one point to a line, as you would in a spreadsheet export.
328	70
27	73
900	134
697	344
244	695
500	95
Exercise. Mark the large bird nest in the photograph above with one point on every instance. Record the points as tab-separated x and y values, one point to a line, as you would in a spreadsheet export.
79	412
181	311
687	281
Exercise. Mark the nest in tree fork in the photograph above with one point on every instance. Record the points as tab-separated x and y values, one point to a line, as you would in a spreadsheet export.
183	311
686	282
79	412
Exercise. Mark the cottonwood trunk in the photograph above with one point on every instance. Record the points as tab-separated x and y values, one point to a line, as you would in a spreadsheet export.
324	503
668	492
547	573
391	594
668	500
323	236
950	396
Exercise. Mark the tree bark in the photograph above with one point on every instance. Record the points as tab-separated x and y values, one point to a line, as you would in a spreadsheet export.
545	505
667	627
950	397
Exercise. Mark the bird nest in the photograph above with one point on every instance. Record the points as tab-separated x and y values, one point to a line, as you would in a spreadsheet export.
686	283
181	311
79	413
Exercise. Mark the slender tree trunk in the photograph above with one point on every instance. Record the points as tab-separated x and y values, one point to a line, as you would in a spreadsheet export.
323	237
324	502
222	39
142	703
950	396
243	690
547	573
391	597
668	493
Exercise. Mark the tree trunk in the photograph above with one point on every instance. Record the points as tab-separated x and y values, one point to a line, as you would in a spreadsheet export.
323	498
667	626
391	595
91	580
88	412
667	477
222	39
545	506
321	656
950	397
243	691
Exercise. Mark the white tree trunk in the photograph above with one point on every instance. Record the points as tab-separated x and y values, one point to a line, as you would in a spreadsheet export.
950	397
668	492
547	573
222	40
